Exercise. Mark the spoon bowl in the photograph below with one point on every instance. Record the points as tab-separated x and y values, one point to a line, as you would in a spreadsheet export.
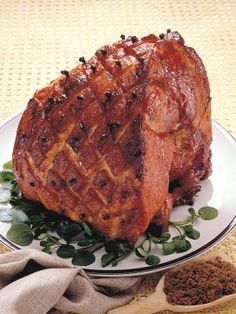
157	302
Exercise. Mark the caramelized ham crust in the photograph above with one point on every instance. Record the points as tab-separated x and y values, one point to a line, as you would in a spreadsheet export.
121	138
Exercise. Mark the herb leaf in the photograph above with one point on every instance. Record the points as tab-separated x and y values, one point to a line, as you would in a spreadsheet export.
192	212
140	252
66	251
208	213
168	248
5	214
85	242
43	243
68	230
86	228
14	188
7	165
154	230
47	250
152	260
21	234
35	220
107	258
164	237
116	246
181	245
6	176
191	232
83	258
19	216
5	195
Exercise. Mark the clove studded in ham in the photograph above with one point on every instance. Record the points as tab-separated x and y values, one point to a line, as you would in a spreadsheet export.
121	138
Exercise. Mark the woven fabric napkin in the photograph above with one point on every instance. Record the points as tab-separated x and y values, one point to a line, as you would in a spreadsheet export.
34	282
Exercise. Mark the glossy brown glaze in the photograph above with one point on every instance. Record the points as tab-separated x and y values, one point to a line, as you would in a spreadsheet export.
121	138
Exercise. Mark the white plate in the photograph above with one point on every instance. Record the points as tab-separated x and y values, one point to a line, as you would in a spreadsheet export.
218	191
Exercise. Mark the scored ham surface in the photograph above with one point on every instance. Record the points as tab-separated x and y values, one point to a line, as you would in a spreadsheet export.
121	138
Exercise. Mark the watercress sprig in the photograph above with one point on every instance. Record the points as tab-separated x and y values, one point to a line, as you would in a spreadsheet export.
180	243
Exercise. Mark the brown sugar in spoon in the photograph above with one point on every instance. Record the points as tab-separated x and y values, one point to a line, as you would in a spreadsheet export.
157	302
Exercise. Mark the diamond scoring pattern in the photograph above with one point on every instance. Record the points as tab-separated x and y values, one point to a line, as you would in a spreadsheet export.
102	103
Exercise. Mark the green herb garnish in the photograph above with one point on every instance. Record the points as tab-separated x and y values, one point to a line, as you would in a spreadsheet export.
168	248
78	241
21	234
152	260
83	258
107	258
5	214
7	165
208	213
6	176
66	251
5	195
18	216
191	232
67	230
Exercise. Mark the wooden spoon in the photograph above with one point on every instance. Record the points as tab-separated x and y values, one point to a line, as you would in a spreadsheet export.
157	302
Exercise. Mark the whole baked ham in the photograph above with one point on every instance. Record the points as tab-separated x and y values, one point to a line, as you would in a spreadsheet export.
121	138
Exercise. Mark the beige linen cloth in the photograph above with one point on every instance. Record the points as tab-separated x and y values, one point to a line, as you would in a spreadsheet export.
33	282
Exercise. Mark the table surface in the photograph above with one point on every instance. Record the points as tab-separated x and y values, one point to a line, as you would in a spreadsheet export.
39	38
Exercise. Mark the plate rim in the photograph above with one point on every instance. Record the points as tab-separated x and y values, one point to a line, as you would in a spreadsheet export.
147	269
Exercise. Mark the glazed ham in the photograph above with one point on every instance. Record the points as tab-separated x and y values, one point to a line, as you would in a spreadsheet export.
121	138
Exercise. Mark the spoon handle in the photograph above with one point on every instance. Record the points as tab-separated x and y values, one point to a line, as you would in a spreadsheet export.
149	305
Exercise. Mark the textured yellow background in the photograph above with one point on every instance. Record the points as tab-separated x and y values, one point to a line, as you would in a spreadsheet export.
40	38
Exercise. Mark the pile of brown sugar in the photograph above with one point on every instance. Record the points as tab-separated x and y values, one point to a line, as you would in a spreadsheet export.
203	282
